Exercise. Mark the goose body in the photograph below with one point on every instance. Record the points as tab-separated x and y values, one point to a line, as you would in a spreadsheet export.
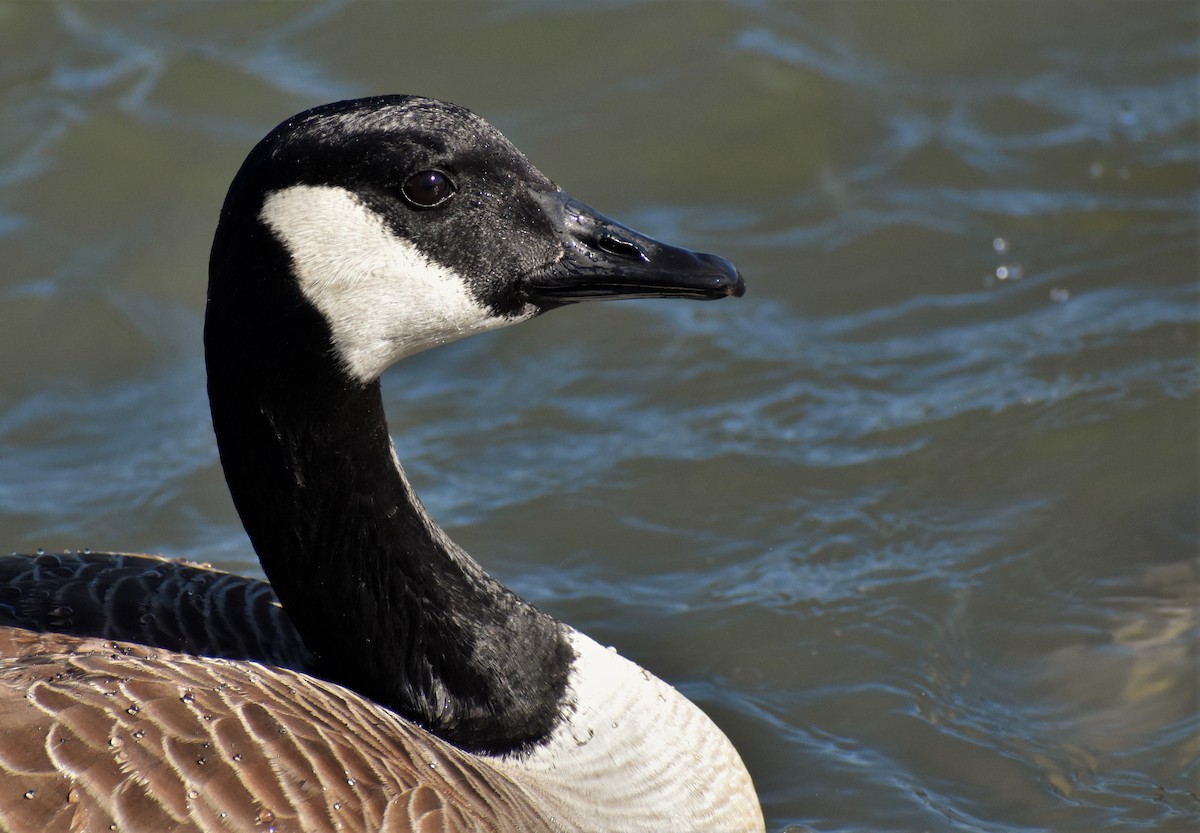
382	680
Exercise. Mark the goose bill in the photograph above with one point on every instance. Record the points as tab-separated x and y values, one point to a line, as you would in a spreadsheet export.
604	260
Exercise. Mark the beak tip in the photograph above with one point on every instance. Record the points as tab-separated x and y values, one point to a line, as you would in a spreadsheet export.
730	283
738	289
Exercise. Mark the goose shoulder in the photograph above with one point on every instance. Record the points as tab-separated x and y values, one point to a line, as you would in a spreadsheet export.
166	723
151	600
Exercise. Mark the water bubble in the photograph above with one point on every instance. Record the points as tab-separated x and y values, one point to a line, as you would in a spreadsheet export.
1058	295
1000	244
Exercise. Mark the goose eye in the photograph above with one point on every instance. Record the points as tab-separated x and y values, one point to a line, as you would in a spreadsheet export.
427	189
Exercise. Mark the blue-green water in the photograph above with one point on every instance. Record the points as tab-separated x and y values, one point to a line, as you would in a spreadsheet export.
915	521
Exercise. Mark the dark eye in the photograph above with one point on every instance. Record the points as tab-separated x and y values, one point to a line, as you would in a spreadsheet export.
427	189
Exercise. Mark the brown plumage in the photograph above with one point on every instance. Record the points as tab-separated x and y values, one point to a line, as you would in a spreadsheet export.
98	734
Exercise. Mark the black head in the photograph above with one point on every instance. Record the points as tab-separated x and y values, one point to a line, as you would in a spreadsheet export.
406	222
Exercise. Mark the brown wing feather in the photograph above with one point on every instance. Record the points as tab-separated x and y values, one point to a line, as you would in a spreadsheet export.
101	734
95	733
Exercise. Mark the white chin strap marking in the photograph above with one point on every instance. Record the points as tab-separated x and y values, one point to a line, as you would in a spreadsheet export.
382	298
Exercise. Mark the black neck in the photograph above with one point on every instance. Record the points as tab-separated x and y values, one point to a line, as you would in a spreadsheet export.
386	602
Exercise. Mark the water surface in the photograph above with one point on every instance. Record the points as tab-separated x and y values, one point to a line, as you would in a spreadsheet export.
915	521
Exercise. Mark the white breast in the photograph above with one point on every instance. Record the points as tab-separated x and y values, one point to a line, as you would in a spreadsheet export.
634	755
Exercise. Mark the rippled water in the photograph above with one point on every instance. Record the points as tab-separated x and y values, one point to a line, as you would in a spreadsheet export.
916	520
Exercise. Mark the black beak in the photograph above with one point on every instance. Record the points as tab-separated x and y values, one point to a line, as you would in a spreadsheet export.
604	260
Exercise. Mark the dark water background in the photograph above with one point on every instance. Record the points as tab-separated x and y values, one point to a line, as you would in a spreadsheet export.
915	521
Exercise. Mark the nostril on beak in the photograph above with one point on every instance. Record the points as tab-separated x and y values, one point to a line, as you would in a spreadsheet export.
620	248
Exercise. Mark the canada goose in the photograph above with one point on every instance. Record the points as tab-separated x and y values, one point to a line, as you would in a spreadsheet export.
399	687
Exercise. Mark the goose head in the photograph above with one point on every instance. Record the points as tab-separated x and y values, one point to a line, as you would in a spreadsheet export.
404	223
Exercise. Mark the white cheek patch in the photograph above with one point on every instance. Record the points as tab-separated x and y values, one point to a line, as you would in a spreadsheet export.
383	299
